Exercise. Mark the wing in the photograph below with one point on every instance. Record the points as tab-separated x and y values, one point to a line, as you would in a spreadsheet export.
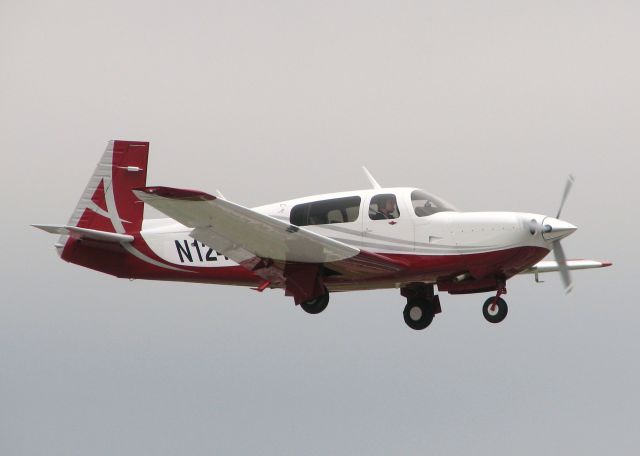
284	255
552	266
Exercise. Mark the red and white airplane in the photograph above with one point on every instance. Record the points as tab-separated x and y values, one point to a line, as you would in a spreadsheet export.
400	238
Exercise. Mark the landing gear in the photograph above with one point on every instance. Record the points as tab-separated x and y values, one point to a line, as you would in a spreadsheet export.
495	309
418	313
316	305
422	305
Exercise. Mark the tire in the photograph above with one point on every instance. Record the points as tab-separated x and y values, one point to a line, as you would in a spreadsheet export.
496	315
418	313
316	305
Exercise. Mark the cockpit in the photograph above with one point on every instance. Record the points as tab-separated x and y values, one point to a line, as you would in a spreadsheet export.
425	204
389	204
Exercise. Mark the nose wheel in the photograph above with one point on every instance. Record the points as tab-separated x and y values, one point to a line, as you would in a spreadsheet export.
495	309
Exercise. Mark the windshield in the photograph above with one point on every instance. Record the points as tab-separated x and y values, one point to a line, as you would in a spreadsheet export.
425	204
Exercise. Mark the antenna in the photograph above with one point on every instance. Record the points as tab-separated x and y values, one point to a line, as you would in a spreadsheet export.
374	183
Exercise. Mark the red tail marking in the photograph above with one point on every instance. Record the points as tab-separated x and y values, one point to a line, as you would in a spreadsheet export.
98	197
91	219
129	154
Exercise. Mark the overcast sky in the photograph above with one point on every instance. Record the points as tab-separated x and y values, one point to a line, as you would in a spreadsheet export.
487	104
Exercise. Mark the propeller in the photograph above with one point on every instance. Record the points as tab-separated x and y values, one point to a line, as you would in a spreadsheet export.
558	251
561	259
567	189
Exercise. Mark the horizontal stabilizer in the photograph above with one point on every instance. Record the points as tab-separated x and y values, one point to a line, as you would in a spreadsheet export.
553	266
85	233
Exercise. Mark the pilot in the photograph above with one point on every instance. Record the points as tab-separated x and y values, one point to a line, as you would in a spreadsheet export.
386	208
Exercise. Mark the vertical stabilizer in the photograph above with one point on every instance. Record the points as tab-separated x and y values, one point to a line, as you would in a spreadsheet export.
107	203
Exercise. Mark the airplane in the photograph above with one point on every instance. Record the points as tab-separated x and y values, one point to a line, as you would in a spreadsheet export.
378	238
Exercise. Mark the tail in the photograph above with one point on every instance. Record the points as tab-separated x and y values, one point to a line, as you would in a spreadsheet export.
107	203
108	210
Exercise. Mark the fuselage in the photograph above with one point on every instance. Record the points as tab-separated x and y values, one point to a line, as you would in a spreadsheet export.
398	237
460	251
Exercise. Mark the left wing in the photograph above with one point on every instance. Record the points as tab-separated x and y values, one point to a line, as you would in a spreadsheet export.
283	254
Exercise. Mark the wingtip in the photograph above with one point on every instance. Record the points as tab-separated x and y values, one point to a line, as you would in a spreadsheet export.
53	229
606	264
174	193
40	226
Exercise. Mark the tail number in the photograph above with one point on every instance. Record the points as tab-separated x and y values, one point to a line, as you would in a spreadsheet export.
203	252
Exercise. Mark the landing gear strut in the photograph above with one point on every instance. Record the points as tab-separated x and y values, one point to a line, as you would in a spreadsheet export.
495	309
316	305
422	305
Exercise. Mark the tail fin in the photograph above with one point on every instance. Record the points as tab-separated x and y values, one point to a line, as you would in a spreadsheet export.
107	203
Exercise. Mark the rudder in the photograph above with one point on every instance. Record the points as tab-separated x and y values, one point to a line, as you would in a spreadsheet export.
107	203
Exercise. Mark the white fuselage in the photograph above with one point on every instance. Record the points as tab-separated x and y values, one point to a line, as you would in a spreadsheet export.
447	232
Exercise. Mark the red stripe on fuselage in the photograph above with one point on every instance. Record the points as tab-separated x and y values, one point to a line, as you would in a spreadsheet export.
115	260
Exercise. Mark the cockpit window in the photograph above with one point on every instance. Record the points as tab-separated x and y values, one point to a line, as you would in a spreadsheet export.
338	210
383	207
425	205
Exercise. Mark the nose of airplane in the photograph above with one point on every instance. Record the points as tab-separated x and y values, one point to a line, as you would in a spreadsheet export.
554	229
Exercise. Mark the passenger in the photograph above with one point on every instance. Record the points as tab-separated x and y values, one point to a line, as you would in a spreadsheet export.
386	208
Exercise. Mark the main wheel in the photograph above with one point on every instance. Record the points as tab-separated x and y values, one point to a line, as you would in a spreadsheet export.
316	305
418	313
495	313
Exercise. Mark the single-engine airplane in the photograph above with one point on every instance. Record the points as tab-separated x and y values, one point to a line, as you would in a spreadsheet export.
369	239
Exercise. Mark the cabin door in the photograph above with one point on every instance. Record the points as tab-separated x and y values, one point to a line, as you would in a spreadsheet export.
388	226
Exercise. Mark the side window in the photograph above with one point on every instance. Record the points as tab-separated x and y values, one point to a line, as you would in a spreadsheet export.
383	207
335	216
423	205
337	210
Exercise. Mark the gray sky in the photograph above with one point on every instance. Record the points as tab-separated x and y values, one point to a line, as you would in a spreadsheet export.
487	104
